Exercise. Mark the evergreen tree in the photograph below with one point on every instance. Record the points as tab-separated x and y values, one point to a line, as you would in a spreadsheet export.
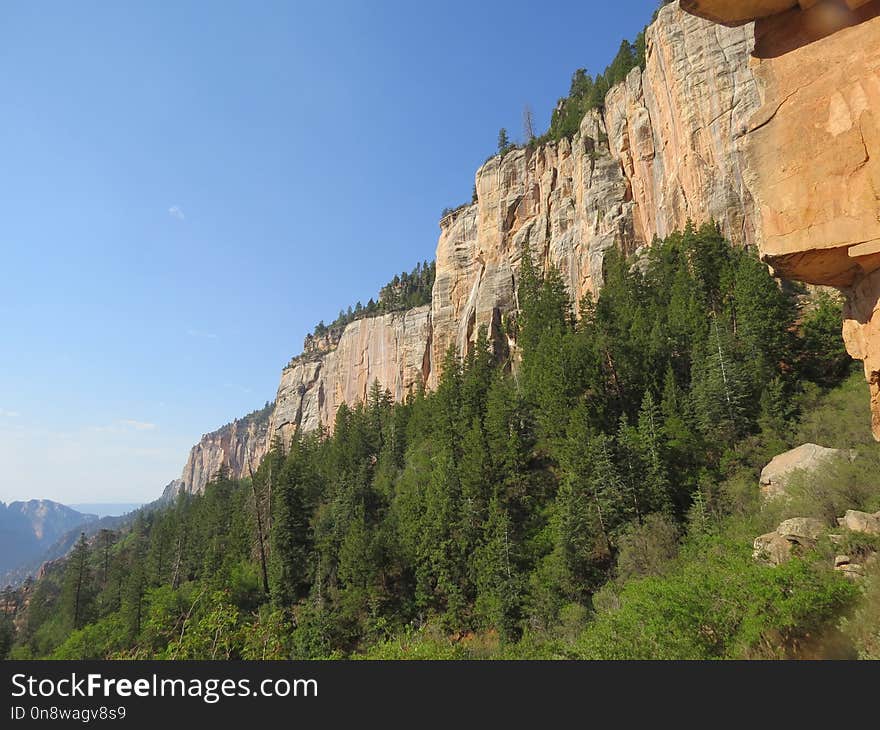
78	590
503	141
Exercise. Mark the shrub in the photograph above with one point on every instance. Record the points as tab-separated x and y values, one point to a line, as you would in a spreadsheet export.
719	603
648	548
863	627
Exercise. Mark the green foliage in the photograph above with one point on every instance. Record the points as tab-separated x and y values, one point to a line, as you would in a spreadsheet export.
587	93
648	548
825	359
719	603
77	591
504	144
863	626
594	497
405	291
841	484
844	419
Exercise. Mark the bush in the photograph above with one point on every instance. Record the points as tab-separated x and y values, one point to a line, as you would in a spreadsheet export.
647	549
863	627
835	487
839	419
720	603
96	641
423	643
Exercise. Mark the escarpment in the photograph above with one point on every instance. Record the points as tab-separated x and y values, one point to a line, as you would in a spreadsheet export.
238	446
778	146
568	202
663	150
676	127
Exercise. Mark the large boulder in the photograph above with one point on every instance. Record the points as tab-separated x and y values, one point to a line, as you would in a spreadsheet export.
777	547
802	530
772	548
861	522
806	457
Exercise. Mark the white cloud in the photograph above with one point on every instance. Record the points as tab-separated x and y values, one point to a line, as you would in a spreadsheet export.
8	414
175	211
138	425
201	334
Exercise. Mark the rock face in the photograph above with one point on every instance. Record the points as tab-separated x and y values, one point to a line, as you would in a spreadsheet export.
239	446
861	332
338	368
568	202
806	457
676	127
664	151
812	151
393	349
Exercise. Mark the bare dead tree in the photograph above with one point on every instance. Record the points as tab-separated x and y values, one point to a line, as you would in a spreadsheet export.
528	123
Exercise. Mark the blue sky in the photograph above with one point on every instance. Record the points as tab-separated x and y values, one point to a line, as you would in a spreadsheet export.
186	188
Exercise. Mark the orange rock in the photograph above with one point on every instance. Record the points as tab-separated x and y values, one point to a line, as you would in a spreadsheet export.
812	152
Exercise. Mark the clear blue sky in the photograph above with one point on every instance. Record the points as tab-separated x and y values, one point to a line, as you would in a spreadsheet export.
186	188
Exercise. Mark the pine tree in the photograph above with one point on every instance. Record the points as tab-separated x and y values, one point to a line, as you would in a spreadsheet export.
498	598
77	591
503	141
293	480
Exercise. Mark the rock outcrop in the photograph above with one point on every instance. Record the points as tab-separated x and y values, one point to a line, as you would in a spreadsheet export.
676	127
792	536
803	458
812	151
568	202
796	535
664	151
394	349
856	521
238	446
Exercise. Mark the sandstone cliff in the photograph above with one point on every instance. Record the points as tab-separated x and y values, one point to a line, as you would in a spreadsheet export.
393	349
568	202
665	149
239	446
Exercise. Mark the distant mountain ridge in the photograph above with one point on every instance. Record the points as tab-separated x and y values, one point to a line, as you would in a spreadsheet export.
29	529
